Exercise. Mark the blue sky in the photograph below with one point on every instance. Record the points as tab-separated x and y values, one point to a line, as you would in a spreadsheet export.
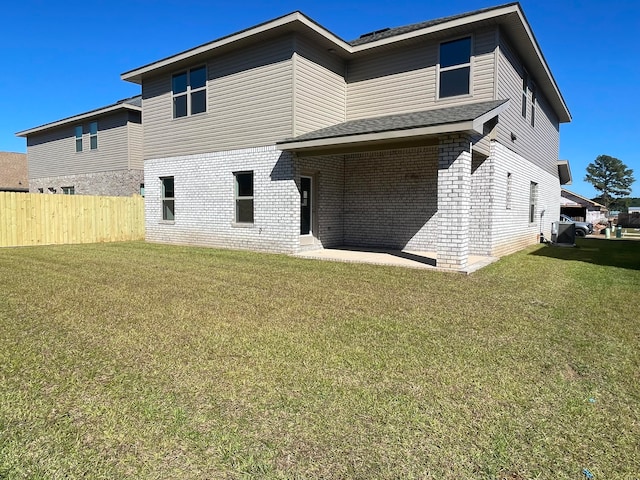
61	58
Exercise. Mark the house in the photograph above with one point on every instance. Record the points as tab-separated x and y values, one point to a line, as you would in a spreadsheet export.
13	172
441	136
580	208
93	153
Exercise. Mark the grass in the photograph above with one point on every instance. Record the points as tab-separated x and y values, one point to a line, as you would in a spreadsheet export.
144	361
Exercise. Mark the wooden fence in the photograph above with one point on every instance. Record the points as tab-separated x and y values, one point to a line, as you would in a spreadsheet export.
629	220
41	219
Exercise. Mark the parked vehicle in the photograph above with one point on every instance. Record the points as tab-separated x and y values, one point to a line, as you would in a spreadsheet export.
582	228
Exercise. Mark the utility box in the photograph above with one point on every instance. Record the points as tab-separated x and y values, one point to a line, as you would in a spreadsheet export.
563	233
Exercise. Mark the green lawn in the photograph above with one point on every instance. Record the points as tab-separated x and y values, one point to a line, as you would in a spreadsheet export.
144	361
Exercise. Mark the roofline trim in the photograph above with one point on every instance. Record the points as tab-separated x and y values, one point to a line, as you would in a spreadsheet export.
135	74
77	118
376	137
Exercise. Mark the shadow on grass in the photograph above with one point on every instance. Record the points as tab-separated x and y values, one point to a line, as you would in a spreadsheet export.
613	253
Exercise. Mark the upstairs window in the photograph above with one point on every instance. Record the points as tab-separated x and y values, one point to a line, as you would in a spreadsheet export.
189	92
79	138
93	135
525	90
455	68
244	197
68	190
533	108
168	199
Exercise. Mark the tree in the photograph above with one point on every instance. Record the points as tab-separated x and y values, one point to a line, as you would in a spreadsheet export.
611	177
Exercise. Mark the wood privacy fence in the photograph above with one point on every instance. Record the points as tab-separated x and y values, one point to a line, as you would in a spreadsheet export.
41	219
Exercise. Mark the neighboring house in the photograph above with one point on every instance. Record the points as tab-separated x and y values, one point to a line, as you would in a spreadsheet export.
580	208
94	153
441	136
632	210
13	172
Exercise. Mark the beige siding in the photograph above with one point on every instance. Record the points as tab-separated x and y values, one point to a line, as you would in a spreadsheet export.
136	153
405	80
249	103
320	88
53	153
539	144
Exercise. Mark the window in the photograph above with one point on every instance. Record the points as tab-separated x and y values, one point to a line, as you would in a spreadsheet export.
93	135
168	199
525	82
455	68
244	197
189	92
79	138
68	190
533	108
509	184
533	202
142	189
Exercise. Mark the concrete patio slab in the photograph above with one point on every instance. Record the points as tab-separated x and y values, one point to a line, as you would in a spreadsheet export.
398	258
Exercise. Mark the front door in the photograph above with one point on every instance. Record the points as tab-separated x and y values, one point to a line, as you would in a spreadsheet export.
306	209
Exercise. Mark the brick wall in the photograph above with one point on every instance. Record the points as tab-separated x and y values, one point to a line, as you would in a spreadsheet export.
454	199
205	200
390	198
327	173
118	183
510	229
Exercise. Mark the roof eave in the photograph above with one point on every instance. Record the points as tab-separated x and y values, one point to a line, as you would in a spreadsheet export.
79	118
375	137
564	172
294	18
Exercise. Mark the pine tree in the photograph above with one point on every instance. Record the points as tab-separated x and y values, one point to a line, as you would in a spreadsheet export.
611	177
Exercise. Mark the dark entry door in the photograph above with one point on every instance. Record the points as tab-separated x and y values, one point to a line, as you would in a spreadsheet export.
305	206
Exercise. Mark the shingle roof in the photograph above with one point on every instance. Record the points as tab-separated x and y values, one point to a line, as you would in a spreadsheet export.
403	121
135	101
392	32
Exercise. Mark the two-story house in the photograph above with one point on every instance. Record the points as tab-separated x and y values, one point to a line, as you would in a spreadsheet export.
93	153
439	136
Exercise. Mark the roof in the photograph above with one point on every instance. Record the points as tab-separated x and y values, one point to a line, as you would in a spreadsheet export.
509	17
582	199
392	32
131	103
469	117
13	172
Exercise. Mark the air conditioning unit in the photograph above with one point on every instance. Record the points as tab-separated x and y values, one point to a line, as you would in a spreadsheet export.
563	233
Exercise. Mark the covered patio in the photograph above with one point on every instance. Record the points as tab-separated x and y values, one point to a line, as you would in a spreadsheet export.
395	190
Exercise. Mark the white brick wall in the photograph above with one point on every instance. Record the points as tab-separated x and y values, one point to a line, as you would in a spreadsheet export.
509	228
426	198
454	199
205	200
390	198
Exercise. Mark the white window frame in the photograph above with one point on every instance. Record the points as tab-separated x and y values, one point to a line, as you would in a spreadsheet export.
459	66
239	198
164	198
533	202
188	93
